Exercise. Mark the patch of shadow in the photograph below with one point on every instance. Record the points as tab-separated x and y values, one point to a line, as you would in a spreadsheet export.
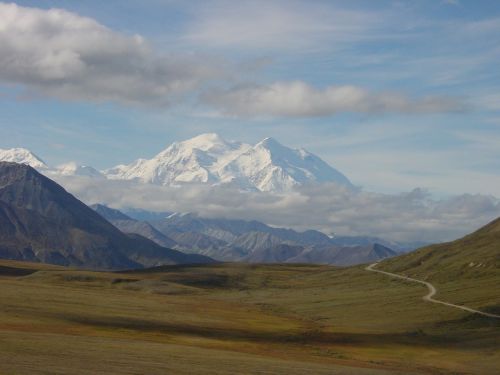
15	272
303	337
172	268
81	278
206	280
479	330
123	281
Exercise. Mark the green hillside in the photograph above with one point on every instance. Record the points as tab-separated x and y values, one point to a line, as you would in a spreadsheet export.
465	271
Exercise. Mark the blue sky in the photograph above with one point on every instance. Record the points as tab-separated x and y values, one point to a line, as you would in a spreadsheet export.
395	94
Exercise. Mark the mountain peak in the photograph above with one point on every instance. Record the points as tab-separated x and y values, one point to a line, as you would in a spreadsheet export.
210	159
210	137
205	141
22	156
270	142
74	169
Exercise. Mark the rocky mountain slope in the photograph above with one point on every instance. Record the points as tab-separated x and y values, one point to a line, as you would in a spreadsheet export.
40	221
247	241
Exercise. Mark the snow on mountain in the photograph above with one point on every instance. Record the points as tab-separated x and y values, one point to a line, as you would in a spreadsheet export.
208	158
25	156
194	160
22	156
270	166
73	169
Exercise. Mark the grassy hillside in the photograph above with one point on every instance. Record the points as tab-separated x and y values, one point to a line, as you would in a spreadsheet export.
465	271
232	318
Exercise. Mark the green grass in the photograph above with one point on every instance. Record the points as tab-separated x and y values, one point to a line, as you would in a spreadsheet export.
233	318
465	271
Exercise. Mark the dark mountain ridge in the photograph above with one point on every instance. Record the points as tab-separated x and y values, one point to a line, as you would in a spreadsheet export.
40	221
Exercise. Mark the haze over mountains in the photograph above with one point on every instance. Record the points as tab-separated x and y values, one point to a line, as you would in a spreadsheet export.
210	159
248	241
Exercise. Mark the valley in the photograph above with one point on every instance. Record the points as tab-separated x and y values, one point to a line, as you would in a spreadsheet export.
234	318
115	298
249	187
164	310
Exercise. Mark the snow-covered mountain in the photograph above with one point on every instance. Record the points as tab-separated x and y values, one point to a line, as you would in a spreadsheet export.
22	156
25	156
208	158
74	169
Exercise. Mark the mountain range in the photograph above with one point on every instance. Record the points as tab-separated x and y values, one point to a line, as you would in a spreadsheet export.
208	159
40	221
246	241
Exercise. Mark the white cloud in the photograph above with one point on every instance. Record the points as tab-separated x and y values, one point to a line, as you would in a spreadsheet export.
59	53
411	216
299	99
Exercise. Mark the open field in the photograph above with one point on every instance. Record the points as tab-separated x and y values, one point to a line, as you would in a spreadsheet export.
233	318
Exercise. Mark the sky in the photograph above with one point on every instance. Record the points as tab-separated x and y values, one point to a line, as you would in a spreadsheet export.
397	95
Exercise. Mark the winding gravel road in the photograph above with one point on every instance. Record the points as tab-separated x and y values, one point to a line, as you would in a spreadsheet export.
432	292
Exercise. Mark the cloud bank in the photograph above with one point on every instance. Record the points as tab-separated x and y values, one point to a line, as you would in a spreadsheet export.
61	54
410	216
299	99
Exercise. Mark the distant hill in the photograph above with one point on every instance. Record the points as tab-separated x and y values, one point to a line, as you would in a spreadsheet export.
40	221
